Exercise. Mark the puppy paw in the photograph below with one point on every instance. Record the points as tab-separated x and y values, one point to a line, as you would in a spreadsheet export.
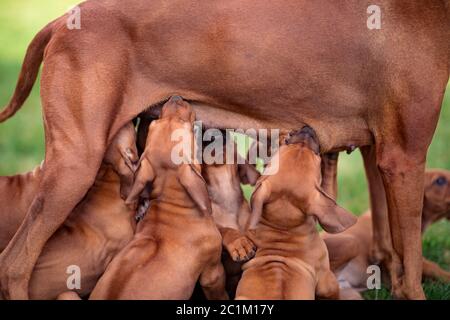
241	249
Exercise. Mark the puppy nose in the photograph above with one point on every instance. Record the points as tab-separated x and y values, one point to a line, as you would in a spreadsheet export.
176	99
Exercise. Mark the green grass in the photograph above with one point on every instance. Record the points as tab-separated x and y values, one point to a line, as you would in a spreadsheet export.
22	137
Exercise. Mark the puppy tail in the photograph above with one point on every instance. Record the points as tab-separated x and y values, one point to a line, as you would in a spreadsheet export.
29	71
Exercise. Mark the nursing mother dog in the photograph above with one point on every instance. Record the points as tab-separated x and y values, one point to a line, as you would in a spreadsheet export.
291	260
177	242
243	64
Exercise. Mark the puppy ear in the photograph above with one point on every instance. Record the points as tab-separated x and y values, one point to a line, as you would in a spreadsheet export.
126	176
144	175
259	197
332	217
194	184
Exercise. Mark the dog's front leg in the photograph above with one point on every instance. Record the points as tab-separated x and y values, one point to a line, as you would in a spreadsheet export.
239	246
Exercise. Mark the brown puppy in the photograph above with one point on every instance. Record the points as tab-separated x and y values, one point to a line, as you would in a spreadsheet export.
95	231
291	261
230	210
177	242
350	251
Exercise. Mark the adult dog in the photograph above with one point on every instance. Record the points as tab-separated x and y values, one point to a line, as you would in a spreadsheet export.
242	64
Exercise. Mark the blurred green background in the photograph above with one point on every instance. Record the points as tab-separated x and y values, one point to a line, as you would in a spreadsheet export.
22	137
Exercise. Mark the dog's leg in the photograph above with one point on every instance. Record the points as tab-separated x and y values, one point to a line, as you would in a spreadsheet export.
78	115
212	281
403	133
381	250
329	174
238	245
433	271
403	178
341	249
66	180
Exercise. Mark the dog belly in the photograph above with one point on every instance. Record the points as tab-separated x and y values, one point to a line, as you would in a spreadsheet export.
222	66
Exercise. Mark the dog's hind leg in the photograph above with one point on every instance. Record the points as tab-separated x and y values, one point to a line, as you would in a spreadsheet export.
341	249
401	149
329	174
381	251
79	110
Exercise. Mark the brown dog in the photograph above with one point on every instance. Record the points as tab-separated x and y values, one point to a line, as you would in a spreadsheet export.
230	210
246	64
291	260
350	251
177	242
99	227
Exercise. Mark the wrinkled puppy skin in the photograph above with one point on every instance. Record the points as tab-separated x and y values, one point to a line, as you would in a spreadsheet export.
177	243
291	260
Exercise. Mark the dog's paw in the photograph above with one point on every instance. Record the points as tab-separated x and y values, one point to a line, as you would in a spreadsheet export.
241	249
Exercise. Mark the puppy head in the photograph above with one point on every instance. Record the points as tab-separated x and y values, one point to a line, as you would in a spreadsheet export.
223	162
309	196
436	197
176	107
170	149
299	180
306	137
122	155
174	129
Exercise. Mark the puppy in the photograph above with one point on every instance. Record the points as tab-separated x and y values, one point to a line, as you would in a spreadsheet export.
350	251
230	210
177	242
291	260
95	231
